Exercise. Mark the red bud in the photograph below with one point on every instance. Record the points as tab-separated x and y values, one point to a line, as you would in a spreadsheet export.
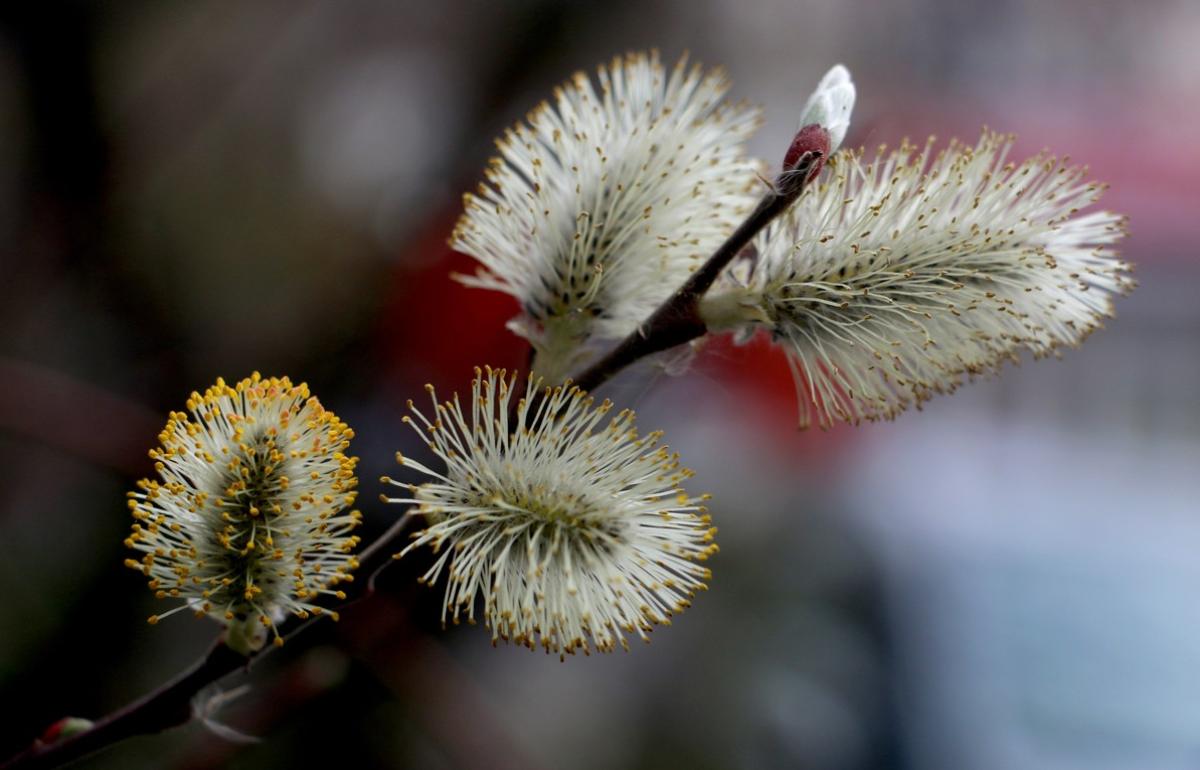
811	138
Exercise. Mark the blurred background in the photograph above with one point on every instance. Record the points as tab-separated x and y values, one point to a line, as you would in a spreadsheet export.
1004	580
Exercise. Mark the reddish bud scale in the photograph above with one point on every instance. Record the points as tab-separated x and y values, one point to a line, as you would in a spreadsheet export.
52	733
64	728
810	138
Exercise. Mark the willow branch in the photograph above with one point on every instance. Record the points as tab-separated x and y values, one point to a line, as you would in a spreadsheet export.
678	320
675	322
166	707
170	705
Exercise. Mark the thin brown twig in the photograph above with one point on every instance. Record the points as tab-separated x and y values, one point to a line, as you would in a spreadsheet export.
170	705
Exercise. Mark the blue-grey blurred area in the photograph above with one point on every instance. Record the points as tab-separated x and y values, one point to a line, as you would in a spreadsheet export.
1005	580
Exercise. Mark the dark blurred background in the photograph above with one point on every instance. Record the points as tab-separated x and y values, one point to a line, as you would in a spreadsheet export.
1006	580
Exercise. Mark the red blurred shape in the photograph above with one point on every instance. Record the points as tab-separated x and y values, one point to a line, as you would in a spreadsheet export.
761	389
434	329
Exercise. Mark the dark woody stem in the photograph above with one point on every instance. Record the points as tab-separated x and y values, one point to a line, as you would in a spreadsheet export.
168	706
678	319
171	704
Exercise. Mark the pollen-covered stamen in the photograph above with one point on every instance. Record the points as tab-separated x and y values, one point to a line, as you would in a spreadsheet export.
894	279
604	200
573	529
246	522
